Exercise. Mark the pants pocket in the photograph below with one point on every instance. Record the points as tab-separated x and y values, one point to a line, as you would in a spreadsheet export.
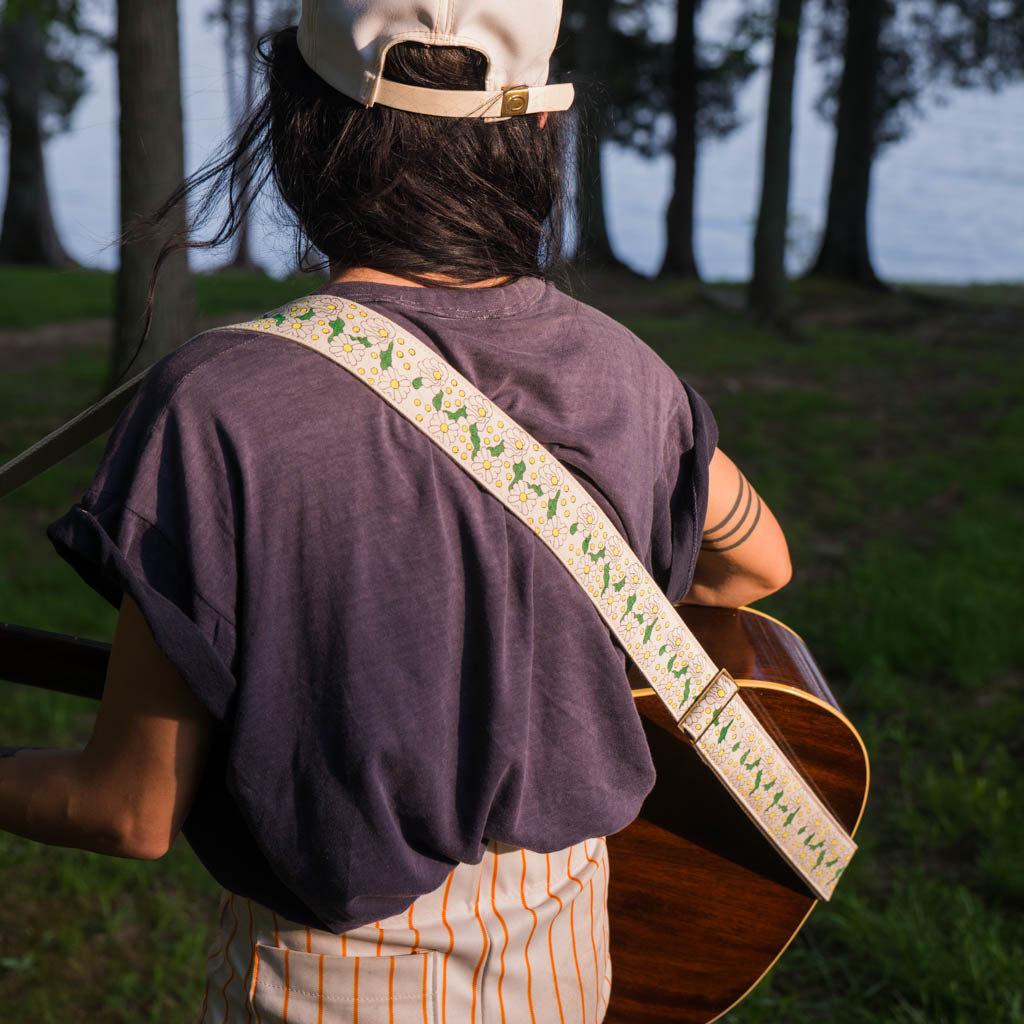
314	988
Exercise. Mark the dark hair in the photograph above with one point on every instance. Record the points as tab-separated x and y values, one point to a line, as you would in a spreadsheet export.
408	194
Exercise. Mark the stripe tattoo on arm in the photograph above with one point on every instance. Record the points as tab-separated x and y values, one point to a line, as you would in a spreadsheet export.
723	536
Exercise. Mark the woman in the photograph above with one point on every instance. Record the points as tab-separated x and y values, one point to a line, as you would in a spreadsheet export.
388	722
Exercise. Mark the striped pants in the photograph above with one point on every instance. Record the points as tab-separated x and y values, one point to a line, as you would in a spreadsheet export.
521	937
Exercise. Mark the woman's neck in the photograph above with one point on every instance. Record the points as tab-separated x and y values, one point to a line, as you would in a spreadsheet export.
382	277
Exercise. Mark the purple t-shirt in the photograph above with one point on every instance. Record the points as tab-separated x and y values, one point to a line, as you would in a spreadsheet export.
399	669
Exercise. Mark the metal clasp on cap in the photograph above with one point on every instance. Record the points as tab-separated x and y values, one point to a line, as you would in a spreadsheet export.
516	101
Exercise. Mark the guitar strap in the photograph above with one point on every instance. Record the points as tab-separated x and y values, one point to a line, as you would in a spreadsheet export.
515	468
530	482
76	433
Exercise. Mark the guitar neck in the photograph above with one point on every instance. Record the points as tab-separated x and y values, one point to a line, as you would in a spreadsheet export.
52	661
749	645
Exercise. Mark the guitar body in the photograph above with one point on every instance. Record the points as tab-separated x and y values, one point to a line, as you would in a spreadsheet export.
701	905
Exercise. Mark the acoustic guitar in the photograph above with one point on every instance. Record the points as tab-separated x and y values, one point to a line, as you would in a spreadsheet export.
701	904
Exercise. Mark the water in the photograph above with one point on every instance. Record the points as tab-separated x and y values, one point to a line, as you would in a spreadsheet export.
948	203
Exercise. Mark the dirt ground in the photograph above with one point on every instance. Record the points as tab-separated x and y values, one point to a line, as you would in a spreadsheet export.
24	348
27	347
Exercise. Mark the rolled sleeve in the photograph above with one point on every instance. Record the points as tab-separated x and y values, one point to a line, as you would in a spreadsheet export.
121	553
157	524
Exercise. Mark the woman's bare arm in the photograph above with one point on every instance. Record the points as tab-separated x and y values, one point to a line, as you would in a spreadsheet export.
743	554
127	793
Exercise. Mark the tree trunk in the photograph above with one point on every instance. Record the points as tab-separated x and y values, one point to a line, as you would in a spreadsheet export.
243	256
844	252
28	235
152	166
768	284
227	15
594	247
680	260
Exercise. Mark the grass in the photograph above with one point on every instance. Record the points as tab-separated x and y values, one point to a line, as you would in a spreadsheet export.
891	456
30	297
894	464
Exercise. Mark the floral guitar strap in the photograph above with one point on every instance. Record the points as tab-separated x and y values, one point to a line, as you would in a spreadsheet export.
507	461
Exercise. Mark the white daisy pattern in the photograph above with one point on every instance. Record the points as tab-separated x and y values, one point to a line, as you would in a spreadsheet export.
480	409
303	321
492	445
615	550
651	607
441	427
376	328
629	627
555	531
588	517
587	572
634	576
433	374
644	657
674	643
528	504
552	479
321	330
489	468
517	442
394	384
291	317
351	350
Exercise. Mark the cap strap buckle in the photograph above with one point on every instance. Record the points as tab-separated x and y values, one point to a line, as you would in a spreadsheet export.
515	101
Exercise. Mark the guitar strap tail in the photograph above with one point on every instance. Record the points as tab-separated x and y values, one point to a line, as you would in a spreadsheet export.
530	482
60	443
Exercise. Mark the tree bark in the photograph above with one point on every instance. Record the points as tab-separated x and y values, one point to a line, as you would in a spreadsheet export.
152	166
768	284
594	247
28	235
593	52
845	252
680	260
243	256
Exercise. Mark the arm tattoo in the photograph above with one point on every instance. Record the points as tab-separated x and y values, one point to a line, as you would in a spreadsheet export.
722	536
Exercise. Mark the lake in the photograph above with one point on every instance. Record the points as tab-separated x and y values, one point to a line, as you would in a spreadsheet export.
948	202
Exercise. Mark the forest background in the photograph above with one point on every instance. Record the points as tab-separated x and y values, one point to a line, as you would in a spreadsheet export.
881	419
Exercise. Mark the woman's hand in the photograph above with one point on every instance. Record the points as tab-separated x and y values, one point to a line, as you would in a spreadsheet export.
128	792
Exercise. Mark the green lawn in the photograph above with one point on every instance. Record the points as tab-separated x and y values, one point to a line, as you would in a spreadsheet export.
895	467
30	297
892	457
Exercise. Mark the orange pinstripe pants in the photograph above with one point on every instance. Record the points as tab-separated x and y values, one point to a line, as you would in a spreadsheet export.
521	937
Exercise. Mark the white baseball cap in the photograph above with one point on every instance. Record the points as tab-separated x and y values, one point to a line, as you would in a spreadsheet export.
346	42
